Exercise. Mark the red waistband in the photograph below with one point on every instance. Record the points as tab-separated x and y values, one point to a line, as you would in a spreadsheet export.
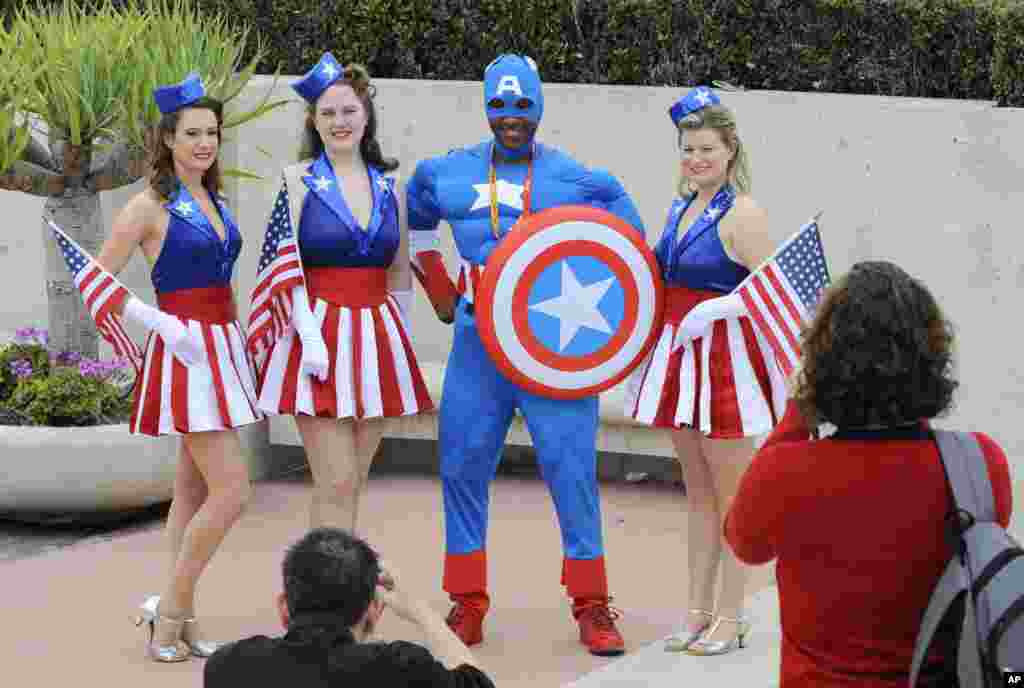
208	304
348	287
680	300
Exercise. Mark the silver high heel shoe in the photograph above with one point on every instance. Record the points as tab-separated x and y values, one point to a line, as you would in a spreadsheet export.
199	648
177	650
704	647
681	641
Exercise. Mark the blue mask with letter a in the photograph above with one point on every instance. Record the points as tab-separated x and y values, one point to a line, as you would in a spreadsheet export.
509	81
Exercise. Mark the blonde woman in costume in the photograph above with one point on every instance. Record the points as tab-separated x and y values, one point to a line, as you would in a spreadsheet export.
712	378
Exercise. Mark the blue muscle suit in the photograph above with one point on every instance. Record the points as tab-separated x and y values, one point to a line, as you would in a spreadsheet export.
478	402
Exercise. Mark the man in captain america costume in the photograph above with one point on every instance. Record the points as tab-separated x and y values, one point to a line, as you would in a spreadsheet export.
481	191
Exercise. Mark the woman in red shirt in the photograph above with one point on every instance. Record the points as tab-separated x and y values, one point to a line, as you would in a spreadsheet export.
856	519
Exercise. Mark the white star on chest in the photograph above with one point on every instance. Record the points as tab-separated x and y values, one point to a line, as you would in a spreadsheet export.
322	183
509	194
184	208
576	306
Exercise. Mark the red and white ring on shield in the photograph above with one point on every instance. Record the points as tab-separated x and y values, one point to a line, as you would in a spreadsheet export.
570	302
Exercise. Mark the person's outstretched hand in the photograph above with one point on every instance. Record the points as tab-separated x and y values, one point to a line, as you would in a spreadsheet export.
396	599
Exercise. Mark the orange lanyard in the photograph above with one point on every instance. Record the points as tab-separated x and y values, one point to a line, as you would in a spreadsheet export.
493	179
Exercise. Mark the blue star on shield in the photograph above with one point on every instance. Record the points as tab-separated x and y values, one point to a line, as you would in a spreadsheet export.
575	306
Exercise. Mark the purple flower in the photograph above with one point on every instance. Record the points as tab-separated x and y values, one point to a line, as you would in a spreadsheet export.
21	369
69	358
31	335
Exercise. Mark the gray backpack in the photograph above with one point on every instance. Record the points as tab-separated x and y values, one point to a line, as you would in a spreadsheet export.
981	592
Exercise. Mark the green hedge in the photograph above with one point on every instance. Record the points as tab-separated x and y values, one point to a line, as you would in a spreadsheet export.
924	48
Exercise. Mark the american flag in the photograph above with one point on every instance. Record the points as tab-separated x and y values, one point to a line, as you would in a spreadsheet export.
102	294
782	295
279	271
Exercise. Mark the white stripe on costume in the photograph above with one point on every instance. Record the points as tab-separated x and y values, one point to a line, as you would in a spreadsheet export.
687	386
343	382
704	404
370	373
276	369
166	424
780	393
304	385
236	344
755	412
653	378
403	372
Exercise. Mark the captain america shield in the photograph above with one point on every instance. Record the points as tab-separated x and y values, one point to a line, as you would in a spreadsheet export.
570	302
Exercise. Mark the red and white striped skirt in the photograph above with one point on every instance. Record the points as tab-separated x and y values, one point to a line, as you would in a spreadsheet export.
218	394
726	385
373	371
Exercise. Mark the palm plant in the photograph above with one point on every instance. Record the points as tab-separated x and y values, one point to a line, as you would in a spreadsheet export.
83	76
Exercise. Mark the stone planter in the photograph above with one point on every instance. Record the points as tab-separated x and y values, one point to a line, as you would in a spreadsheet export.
92	469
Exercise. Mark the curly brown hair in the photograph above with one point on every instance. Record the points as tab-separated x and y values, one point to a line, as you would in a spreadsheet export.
311	146
879	352
163	179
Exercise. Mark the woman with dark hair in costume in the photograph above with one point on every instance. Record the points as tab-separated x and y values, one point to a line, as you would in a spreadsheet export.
196	381
329	324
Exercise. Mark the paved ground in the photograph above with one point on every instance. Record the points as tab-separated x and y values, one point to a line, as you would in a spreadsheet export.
71	593
34	534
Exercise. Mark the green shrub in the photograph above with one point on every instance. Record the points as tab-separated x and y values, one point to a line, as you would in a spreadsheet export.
38	387
65	397
1008	63
922	48
17	355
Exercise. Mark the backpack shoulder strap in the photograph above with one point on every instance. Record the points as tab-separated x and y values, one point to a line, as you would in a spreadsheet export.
967	472
952	584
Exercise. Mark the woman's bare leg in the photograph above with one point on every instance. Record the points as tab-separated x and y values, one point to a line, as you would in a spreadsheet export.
704	545
332	451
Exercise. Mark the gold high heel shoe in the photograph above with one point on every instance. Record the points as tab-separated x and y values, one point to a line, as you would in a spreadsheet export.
174	651
704	647
682	641
199	648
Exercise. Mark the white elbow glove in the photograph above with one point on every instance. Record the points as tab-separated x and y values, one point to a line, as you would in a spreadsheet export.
698	322
314	349
186	345
404	301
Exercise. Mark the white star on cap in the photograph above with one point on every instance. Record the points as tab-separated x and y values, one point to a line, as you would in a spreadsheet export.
322	184
702	97
329	69
713	212
184	208
576	306
382	182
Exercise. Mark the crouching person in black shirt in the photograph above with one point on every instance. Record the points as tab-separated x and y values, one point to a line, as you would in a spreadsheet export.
335	592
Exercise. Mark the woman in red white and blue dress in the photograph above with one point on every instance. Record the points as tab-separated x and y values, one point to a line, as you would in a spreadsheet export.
712	377
195	381
328	328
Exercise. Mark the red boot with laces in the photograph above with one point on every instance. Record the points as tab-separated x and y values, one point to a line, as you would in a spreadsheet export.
597	626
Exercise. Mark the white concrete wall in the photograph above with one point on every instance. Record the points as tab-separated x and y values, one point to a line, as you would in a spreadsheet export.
932	185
